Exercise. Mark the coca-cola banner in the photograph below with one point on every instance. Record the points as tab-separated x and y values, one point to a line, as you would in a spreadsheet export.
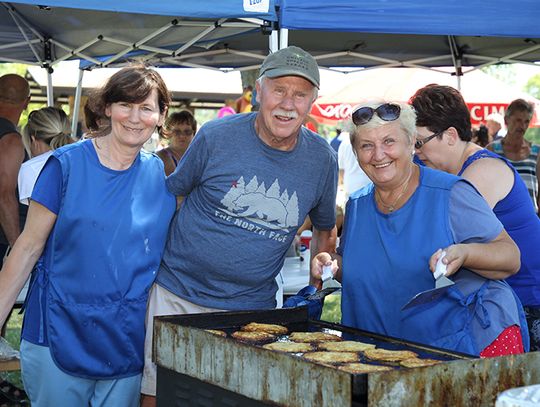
331	113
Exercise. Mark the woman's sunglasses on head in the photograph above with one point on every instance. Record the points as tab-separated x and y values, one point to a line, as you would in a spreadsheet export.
387	112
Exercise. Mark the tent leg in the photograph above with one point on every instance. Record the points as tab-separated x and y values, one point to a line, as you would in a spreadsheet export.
283	38
76	104
273	41
50	92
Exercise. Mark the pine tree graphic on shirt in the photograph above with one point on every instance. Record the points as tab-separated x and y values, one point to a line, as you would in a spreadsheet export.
269	207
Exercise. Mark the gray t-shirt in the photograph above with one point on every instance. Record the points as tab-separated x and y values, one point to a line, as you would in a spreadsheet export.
244	202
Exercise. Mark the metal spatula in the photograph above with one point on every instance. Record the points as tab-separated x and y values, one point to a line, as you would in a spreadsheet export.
442	283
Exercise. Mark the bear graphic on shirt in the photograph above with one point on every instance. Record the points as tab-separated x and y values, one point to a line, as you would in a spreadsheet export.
268	207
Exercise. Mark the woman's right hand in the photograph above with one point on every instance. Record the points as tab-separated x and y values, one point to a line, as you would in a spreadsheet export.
320	260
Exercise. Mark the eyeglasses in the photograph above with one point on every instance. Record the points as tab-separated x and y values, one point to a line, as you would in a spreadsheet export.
387	112
187	133
420	143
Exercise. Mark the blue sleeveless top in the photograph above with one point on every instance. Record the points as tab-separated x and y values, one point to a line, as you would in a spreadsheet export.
90	287
386	262
516	213
526	168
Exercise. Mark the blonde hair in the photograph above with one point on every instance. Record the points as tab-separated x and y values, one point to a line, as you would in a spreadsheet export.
406	120
50	125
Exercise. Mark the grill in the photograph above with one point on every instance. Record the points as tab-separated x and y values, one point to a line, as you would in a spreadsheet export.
198	368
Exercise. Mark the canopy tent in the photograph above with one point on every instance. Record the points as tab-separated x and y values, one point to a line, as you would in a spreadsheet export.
414	32
230	33
160	32
482	93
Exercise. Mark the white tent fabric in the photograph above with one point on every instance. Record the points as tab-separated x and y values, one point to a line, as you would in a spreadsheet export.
482	93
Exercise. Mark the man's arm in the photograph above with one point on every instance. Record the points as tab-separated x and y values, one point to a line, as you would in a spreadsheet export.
11	158
323	241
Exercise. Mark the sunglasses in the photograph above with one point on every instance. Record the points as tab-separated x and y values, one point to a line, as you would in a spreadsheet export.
387	112
420	143
176	132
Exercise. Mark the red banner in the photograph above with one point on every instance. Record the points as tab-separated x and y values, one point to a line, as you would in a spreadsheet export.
333	113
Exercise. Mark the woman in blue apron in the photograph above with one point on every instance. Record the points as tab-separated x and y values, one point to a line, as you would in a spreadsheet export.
394	233
494	177
96	229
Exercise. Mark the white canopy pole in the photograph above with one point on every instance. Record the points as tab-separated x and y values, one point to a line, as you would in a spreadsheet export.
50	91
283	38
273	41
76	105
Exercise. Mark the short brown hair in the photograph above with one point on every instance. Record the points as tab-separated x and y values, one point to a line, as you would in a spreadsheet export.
132	84
182	117
439	107
519	105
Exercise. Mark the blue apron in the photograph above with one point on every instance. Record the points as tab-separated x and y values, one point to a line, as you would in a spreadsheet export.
101	259
385	263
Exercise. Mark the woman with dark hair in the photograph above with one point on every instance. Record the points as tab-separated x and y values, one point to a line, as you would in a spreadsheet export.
443	142
481	136
179	129
397	228
93	240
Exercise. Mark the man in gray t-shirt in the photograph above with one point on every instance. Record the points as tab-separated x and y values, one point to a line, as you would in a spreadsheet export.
248	182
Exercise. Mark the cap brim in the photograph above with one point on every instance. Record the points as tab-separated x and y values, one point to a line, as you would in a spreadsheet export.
278	73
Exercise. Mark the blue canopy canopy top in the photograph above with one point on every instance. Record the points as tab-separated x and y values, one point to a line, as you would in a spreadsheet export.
103	33
230	34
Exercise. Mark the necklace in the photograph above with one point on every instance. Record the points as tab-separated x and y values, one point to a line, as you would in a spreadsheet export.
392	207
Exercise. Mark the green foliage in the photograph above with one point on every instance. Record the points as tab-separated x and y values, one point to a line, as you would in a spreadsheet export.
12	68
533	135
205	115
13	335
503	72
532	87
332	308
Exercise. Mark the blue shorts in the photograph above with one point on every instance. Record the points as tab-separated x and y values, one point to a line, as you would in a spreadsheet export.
47	385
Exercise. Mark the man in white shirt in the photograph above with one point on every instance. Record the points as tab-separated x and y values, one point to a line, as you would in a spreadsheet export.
351	176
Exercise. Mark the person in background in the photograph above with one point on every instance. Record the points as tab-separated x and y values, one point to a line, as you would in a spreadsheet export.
522	154
337	140
228	109
352	177
46	130
442	111
14	98
243	103
249	181
480	136
398	227
179	130
96	228
495	126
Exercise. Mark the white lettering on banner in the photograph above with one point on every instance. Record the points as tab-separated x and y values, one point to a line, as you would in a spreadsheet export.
335	112
257	6
480	112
